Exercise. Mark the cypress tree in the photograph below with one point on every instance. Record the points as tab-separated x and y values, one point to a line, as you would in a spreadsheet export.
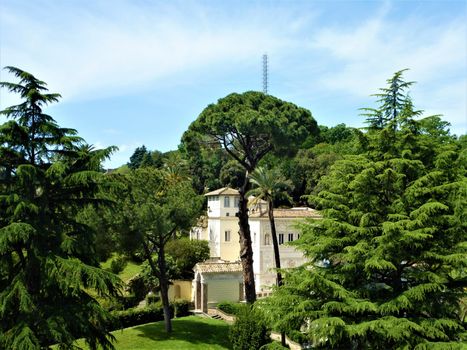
47	262
387	261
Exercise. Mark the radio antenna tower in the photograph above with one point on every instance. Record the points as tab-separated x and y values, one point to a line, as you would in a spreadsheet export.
265	73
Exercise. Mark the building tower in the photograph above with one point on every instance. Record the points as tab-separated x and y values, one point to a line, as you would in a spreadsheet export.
265	73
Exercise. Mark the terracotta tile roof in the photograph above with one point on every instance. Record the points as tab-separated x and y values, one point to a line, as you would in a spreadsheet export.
218	266
224	191
302	212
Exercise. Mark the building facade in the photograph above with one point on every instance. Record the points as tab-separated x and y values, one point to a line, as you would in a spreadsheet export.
220	228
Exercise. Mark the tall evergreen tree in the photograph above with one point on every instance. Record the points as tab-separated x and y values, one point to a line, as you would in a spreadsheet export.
248	127
387	261
47	262
141	156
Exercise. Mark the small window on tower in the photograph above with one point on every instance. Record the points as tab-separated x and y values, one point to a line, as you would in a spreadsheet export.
267	239
290	237
226	202
227	236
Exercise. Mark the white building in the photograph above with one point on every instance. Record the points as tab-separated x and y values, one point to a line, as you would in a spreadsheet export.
221	230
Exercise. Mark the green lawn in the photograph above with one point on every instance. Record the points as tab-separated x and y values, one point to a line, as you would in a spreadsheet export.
131	269
188	333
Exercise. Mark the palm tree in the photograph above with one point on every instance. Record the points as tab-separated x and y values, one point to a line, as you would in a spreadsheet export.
270	185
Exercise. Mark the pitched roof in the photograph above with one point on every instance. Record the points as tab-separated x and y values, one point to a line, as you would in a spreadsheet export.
301	212
218	266
225	191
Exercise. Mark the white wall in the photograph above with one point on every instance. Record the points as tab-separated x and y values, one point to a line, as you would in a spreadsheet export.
216	206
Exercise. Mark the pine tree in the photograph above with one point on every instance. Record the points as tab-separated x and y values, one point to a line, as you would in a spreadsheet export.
387	262
47	262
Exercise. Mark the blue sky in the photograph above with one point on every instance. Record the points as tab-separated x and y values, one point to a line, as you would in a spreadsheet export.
139	72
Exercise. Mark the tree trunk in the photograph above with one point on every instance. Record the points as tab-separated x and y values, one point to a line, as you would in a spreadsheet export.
164	286
161	273
246	251
277	256
275	243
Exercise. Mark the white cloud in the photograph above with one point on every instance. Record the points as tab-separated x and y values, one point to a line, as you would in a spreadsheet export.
364	57
87	55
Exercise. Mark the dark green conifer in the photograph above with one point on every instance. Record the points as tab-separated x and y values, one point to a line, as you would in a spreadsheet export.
387	261
47	262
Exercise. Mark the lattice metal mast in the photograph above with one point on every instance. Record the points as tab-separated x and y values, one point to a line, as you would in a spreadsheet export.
265	73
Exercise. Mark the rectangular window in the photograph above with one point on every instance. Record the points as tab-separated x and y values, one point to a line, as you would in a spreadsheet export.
298	235
281	238
226	202
236	202
227	236
290	237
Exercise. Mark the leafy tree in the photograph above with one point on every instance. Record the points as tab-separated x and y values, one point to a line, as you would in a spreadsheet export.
140	155
387	261
247	127
187	253
335	134
206	161
232	174
47	260
153	208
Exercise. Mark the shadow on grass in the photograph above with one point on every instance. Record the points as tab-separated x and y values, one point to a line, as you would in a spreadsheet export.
191	329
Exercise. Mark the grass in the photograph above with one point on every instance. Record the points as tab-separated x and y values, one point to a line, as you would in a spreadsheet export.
190	332
131	269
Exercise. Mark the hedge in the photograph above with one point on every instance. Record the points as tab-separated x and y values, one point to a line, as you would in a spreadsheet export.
151	313
229	307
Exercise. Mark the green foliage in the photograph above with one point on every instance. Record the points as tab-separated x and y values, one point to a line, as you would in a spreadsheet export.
154	206
229	307
387	261
275	345
136	316
247	127
139	155
47	176
335	134
392	101
249	331
182	307
186	254
252	124
118	264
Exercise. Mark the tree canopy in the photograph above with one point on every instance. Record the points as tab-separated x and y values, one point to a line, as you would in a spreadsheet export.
152	207
387	261
47	261
247	127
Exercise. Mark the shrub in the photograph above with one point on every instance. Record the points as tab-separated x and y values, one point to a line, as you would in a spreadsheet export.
249	330
229	307
182	307
136	316
273	346
118	264
152	298
297	336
